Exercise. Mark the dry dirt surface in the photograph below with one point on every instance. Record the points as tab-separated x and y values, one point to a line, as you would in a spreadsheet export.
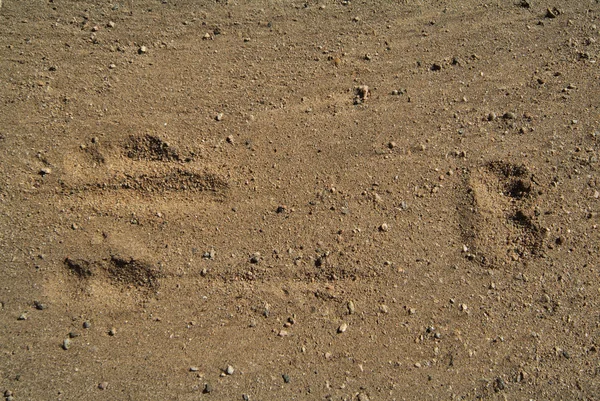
288	200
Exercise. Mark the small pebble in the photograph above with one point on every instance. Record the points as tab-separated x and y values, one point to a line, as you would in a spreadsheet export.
22	316
351	307
384	309
492	116
219	117
194	369
87	325
286	378
500	385
343	327
207	388
229	370
254	259
38	305
525	3
110	24
509	115
45	171
363	397
103	385
142	50
66	344
384	228
211	254
362	91
552	13
112	332
412	311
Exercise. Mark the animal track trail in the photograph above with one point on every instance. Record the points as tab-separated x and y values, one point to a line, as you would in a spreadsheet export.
144	164
119	271
113	181
497	219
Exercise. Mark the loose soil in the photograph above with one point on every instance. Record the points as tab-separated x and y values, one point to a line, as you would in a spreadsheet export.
341	200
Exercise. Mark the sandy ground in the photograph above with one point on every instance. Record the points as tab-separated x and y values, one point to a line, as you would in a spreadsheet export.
321	200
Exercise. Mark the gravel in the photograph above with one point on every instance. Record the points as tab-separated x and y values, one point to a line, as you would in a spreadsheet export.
343	327
229	370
